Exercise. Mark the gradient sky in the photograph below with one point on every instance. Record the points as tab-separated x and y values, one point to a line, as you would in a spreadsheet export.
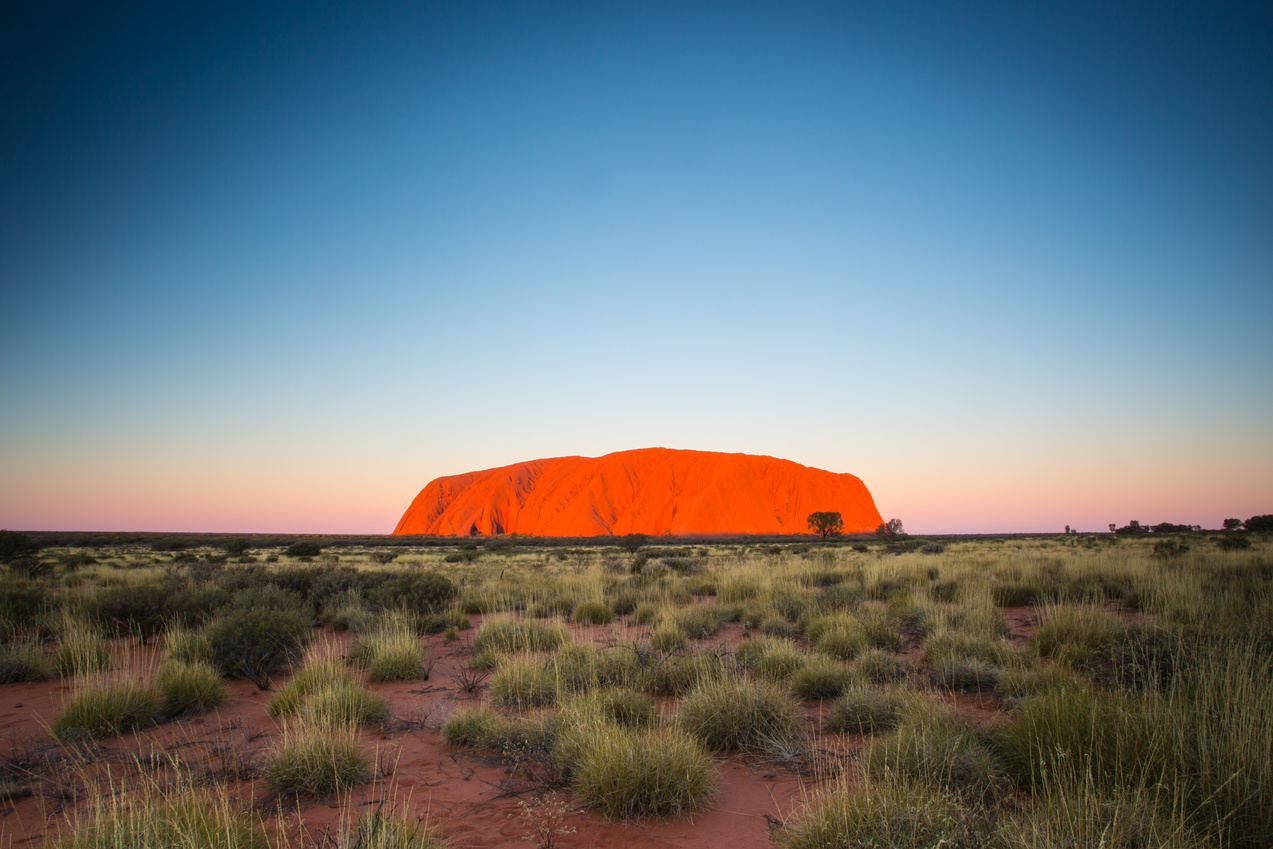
273	267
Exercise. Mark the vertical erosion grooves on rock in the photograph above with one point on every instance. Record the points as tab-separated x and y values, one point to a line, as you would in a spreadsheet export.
649	490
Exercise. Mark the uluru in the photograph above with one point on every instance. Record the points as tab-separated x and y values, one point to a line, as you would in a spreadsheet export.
647	490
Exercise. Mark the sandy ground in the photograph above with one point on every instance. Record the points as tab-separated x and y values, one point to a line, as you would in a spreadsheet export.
473	796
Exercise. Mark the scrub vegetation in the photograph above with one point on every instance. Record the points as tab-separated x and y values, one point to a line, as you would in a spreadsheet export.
1078	690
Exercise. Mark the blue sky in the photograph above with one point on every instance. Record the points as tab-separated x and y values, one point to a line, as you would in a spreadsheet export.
275	267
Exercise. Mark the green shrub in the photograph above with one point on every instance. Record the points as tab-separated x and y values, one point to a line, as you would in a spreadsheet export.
821	678
141	607
252	643
736	714
106	710
866	710
624	772
323	692
342	704
593	613
22	603
626	708
645	613
881	632
316	761
420	592
303	549
188	688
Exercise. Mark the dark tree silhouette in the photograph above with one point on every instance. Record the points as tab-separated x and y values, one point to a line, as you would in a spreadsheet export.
826	523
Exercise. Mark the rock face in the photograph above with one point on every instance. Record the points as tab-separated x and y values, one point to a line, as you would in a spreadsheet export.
649	490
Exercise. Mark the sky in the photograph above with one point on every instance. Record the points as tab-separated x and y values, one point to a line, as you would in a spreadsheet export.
272	267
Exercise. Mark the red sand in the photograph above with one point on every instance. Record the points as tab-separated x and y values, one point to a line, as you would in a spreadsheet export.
649	490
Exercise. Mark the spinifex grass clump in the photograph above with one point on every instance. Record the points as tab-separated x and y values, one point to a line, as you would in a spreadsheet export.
634	768
821	678
677	674
189	688
82	651
390	650
839	636
323	692
182	819
316	761
523	682
104	708
770	658
23	660
625	772
472	726
867	710
881	667
1075	635
509	636
737	714
888	814
381	829
187	645
936	749
593	612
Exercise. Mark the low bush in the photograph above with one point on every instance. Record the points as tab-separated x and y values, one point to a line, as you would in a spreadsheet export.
419	592
188	688
316	761
843	638
736	714
107	709
667	636
698	621
323	692
252	643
